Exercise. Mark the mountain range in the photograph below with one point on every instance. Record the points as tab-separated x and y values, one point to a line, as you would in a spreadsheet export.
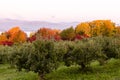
6	24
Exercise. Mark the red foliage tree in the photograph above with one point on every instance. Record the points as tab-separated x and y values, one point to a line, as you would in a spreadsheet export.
47	33
32	38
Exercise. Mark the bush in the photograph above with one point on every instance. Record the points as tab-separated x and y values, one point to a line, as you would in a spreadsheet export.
85	52
44	59
113	48
19	56
41	56
68	57
5	51
60	49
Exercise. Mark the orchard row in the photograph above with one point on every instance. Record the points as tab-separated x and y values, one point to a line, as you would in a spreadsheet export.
44	56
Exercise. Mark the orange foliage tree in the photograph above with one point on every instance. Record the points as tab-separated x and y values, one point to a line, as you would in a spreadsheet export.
16	35
47	33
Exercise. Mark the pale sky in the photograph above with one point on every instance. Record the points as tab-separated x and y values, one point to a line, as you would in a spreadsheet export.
60	10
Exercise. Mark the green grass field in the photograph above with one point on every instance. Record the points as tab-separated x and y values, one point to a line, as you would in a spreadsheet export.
110	71
7	73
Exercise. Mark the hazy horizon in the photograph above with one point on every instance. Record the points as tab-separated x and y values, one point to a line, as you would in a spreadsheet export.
60	10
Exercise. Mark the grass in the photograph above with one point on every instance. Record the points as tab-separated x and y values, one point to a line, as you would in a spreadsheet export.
7	73
110	71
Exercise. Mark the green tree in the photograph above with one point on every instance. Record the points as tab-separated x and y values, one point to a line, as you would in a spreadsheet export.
41	56
68	34
85	52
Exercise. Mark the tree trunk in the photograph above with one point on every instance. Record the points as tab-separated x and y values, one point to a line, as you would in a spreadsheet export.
83	65
101	61
40	76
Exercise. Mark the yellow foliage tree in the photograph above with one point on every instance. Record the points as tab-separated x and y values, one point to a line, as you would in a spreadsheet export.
102	27
3	38
83	28
32	34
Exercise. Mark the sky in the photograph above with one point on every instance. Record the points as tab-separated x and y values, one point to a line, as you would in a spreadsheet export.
60	10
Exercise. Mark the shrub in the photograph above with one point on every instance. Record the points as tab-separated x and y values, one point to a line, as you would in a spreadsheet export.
19	56
44	59
85	52
41	56
60	49
5	51
68	57
113	48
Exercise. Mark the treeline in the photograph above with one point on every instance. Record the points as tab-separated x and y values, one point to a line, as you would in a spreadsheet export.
81	31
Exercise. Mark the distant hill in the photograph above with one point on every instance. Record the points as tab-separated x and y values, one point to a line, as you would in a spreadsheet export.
6	24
